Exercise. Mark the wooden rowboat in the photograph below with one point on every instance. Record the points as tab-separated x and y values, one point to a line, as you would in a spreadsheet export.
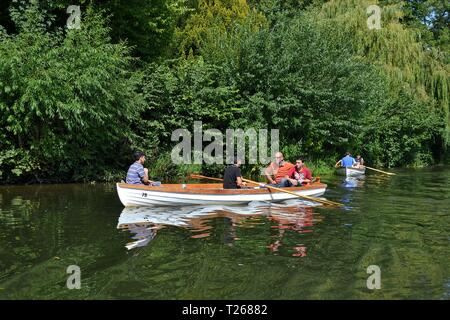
351	171
206	194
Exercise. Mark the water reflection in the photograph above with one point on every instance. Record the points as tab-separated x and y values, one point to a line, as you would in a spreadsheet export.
298	219
354	182
280	219
446	294
400	223
351	184
142	234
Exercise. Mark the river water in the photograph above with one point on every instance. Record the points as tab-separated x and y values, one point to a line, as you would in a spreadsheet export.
399	224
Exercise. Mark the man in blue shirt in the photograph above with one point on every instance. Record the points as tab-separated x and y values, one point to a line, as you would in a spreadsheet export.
137	174
347	161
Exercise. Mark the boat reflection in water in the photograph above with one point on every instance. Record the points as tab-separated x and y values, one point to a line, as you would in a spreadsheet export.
353	182
280	219
143	234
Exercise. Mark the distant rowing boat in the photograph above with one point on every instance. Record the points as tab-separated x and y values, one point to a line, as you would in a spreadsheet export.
351	171
206	194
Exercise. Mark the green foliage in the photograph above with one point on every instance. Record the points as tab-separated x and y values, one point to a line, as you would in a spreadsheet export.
16	162
299	77
176	97
148	26
432	17
67	100
407	62
217	15
295	78
274	9
162	168
74	103
401	133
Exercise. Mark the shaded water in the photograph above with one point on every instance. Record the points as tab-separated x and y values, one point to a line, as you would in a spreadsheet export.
260	251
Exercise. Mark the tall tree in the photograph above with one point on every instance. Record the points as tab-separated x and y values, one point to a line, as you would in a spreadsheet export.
148	26
420	70
67	99
212	14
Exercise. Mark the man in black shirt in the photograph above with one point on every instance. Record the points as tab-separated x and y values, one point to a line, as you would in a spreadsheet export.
232	178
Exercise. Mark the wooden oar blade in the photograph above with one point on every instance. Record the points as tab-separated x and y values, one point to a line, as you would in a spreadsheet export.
381	171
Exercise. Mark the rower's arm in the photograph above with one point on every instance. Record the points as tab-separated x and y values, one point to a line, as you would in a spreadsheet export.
145	179
268	173
336	165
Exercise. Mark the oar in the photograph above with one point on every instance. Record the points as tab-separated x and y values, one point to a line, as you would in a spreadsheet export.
298	195
197	176
389	173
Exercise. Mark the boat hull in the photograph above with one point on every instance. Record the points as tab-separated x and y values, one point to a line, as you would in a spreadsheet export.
351	172
176	195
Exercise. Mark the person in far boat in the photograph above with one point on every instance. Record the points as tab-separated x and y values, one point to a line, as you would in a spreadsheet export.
347	161
299	175
232	177
137	174
278	170
359	161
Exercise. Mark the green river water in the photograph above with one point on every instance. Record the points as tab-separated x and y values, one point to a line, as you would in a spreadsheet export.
285	251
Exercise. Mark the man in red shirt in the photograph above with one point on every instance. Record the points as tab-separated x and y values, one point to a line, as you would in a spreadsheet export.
299	175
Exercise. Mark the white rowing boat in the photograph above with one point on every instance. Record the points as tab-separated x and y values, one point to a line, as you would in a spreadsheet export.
206	194
351	171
